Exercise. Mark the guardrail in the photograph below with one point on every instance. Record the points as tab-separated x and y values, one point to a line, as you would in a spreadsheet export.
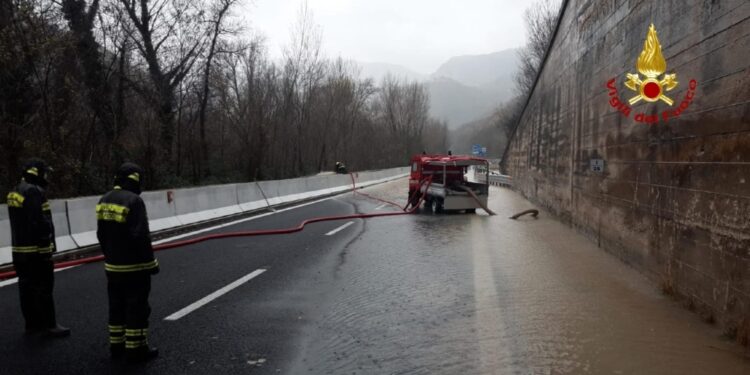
75	222
501	180
495	179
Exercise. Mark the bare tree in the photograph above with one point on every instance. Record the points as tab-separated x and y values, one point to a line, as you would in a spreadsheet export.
405	108
506	115
170	36
540	18
435	137
221	10
73	71
303	72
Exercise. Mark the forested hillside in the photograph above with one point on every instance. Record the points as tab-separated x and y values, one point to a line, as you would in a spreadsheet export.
178	87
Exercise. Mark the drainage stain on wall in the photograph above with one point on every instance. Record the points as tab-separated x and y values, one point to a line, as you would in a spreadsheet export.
672	197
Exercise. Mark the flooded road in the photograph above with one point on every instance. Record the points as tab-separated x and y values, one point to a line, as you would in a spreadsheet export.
474	294
414	294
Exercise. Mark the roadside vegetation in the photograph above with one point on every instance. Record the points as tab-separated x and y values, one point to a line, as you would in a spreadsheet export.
182	88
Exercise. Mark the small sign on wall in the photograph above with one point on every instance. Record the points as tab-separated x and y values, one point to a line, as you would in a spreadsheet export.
597	165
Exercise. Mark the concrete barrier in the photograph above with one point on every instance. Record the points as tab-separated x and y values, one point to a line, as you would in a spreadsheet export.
271	191
194	205
82	217
317	186
63	239
162	214
361	179
75	219
250	197
339	183
293	190
5	251
369	178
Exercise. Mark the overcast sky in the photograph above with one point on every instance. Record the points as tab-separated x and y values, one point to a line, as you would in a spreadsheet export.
418	34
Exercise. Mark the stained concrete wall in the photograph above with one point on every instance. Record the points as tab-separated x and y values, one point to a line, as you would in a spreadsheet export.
673	199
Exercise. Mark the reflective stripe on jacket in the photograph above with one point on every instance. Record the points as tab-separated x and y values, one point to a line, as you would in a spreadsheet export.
31	227
123	232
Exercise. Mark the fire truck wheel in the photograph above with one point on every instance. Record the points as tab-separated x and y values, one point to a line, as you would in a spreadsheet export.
437	206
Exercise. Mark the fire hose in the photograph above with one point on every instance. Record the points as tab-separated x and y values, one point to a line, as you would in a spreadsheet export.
479	202
252	233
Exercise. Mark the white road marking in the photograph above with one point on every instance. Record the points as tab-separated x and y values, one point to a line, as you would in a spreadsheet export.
169	239
15	279
379	207
177	237
339	229
201	302
489	319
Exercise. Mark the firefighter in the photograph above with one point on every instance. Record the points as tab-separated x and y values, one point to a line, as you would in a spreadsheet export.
340	168
33	242
122	229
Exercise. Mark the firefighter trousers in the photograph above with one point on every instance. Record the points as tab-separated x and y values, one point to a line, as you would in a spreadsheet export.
36	281
129	311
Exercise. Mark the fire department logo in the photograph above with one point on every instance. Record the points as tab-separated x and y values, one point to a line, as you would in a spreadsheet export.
651	84
651	64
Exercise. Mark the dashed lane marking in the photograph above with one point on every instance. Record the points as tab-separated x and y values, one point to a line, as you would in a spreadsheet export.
339	229
169	239
379	207
203	301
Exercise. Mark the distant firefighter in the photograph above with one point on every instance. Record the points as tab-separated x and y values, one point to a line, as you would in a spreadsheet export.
123	232
33	242
341	168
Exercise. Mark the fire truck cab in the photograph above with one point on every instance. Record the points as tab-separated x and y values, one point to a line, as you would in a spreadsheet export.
441	180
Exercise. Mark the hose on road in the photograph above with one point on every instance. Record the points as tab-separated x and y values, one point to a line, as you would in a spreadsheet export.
300	227
479	202
533	212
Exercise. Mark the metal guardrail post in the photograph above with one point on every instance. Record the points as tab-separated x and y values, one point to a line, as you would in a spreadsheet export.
501	180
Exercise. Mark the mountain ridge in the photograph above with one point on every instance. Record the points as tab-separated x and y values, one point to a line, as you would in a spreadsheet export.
462	89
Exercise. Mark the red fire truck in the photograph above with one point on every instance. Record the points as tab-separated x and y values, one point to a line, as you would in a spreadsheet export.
441	179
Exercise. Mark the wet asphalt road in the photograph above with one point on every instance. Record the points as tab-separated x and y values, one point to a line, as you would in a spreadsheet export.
419	294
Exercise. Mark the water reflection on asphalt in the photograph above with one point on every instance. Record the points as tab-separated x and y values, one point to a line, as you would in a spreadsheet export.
474	294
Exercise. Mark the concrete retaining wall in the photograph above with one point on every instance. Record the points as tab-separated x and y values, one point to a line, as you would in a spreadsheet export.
75	221
670	198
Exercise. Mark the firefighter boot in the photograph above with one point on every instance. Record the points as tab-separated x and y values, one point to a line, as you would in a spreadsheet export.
142	354
57	331
117	351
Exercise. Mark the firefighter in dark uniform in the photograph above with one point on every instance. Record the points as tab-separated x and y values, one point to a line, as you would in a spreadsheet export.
340	168
122	229
33	242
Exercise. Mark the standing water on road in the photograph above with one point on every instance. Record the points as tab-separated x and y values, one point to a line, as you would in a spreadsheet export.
457	293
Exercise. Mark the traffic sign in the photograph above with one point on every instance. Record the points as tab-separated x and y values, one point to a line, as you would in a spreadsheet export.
597	165
476	150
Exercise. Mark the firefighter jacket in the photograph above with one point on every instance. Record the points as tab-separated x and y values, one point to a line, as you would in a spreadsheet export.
32	230
122	229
